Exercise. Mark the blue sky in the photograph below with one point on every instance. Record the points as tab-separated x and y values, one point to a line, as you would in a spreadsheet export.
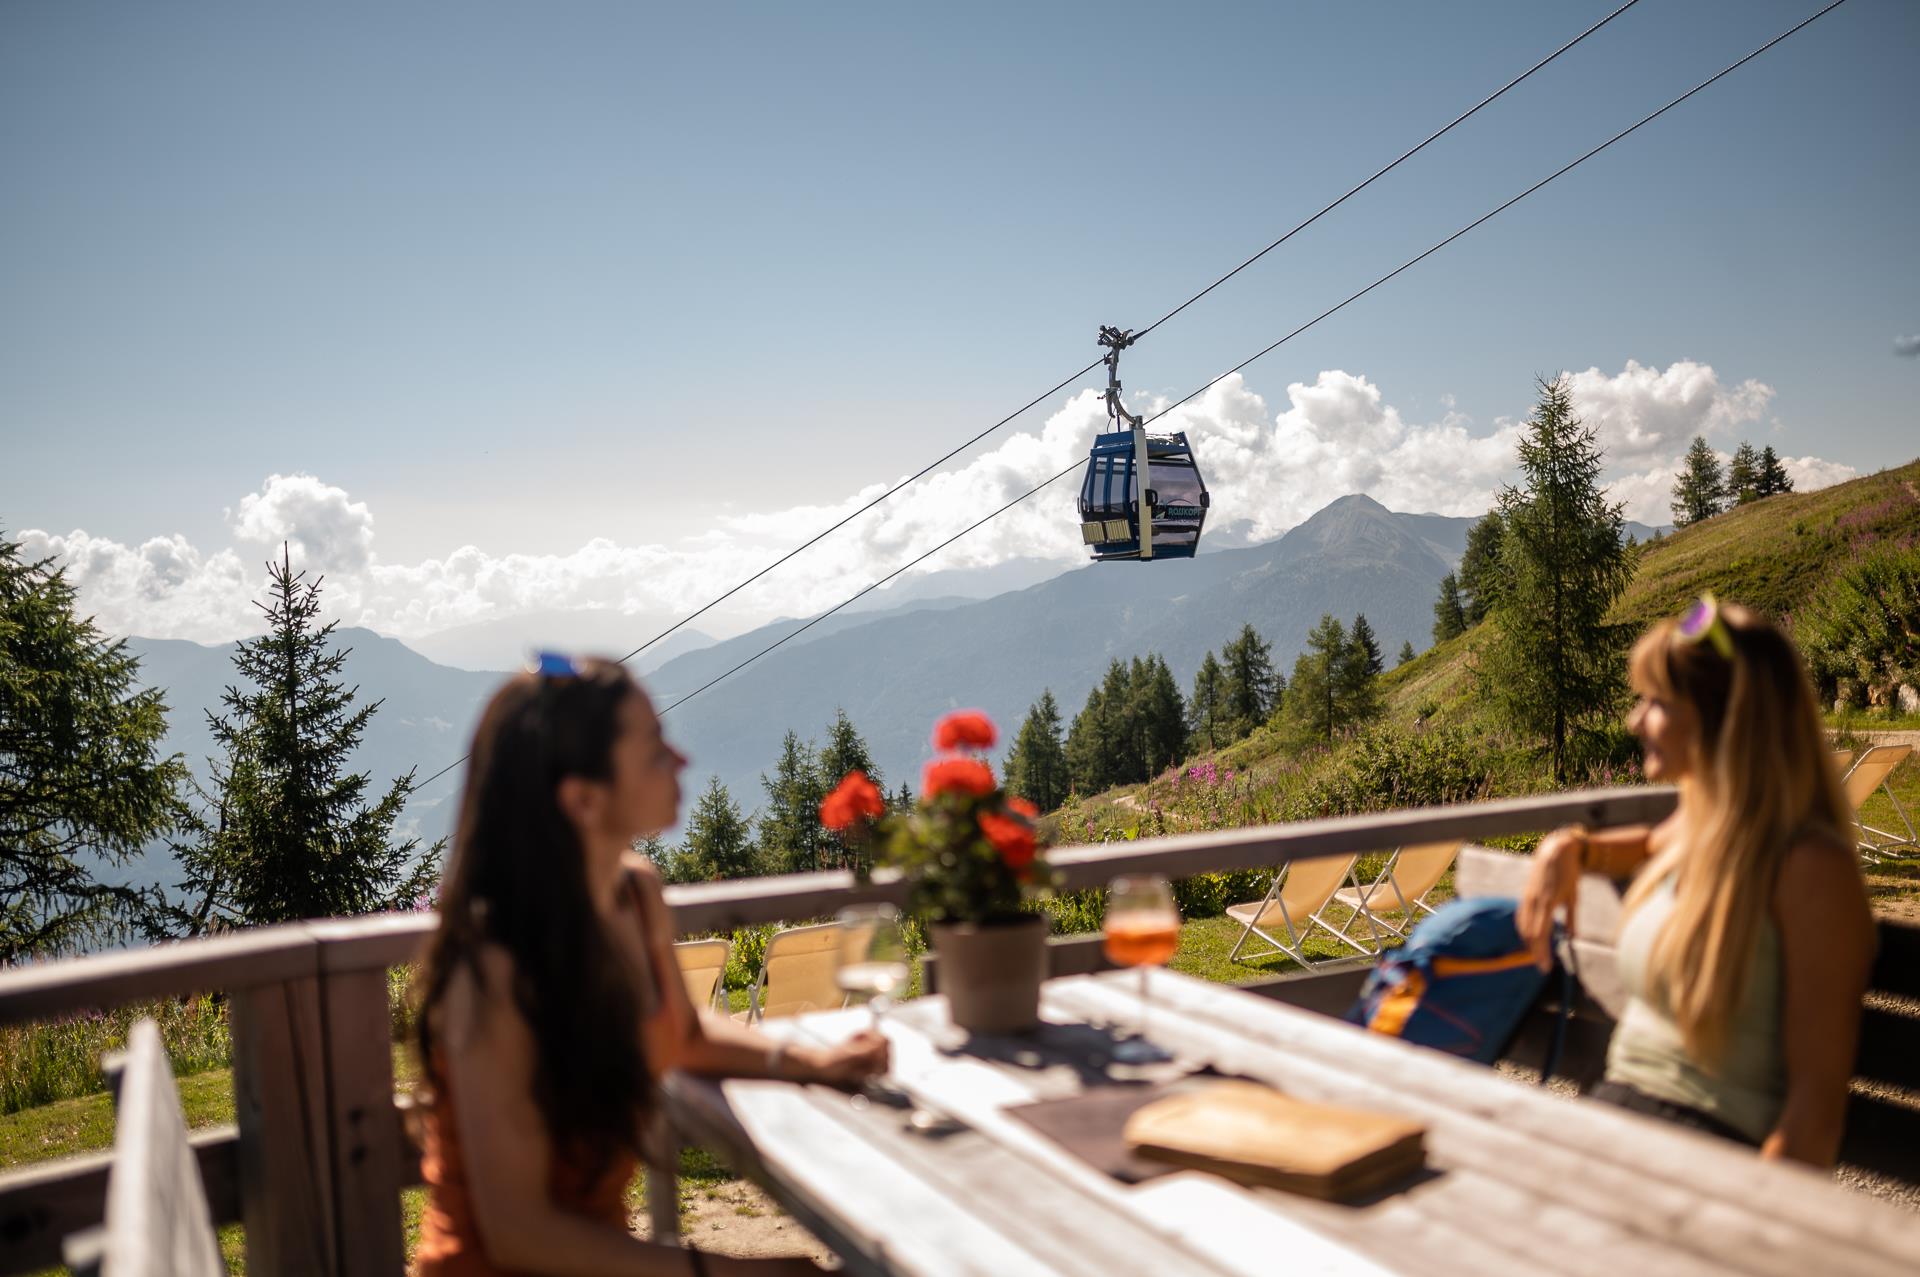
513	278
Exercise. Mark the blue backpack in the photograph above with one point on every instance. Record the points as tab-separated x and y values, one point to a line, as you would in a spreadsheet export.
1461	984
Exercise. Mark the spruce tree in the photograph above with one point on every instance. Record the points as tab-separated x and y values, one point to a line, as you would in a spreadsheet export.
1164	718
1557	662
1700	489
1036	767
1479	575
1207	717
292	833
1406	653
1743	475
719	844
1449	617
1089	758
82	782
1250	681
1773	478
790	834
1366	648
845	751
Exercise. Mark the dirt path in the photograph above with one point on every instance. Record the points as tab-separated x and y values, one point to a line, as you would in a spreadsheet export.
735	1218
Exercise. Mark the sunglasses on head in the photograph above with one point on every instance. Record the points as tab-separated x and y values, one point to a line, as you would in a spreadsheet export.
1703	623
553	665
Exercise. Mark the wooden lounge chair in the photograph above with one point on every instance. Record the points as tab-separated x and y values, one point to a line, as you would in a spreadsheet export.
702	964
797	974
1295	905
1403	886
157	1220
1868	774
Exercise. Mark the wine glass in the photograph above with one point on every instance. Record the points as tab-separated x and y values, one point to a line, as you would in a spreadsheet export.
1142	930
873	955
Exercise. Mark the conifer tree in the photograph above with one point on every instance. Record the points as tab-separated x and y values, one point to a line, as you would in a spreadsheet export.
1772	480
292	833
1207	717
1700	489
673	862
1449	617
845	751
1313	701
82	780
1479	575
1251	683
1366	648
1036	767
1743	475
1354	667
790	834
1557	662
1089	759
1163	718
719	844
1406	653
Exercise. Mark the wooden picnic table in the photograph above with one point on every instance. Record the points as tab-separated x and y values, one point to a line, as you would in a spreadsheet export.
1518	1180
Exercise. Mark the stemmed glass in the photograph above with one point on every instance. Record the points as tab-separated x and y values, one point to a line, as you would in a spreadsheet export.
1142	930
872	957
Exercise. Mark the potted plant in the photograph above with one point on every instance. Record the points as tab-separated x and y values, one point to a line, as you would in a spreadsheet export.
971	856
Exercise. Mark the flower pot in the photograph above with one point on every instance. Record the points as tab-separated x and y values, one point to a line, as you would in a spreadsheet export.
991	973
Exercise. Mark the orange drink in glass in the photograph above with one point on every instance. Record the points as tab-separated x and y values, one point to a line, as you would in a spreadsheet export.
1142	930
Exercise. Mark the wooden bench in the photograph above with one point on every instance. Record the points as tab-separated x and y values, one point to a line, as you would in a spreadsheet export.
1883	1114
157	1220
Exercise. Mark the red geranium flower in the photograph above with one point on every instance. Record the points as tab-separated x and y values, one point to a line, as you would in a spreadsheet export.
964	729
853	800
1023	807
967	775
1011	837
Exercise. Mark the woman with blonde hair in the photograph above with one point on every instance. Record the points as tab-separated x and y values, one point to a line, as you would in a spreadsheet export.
1746	939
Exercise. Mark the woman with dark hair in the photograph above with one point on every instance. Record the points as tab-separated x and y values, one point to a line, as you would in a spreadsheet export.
549	1000
1746	939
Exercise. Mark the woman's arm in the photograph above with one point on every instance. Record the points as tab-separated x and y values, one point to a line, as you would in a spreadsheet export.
712	1045
506	1155
1553	880
1826	958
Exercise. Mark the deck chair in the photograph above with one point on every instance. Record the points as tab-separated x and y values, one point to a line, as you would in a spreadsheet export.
1295	904
157	1220
797	973
702	964
1841	758
1410	876
1868	774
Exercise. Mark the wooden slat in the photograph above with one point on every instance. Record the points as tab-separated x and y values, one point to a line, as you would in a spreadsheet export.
1896	968
157	1221
358	1065
1326	991
285	1154
1883	1136
41	1203
264	955
1601	1160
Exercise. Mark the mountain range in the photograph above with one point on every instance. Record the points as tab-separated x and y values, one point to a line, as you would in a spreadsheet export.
932	647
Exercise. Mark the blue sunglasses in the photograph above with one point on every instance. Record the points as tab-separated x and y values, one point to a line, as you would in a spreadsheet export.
553	665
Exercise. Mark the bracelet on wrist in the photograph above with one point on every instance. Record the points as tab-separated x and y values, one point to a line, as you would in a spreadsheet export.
776	1060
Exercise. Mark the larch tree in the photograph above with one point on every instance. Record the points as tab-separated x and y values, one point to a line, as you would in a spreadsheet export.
1557	662
1314	698
83	784
1207	716
292	831
1700	489
1743	475
1354	668
1449	616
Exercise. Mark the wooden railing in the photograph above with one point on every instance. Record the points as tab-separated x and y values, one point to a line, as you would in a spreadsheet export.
314	1165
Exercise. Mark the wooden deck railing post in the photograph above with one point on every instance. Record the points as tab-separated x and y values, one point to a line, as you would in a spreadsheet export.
365	1156
280	1102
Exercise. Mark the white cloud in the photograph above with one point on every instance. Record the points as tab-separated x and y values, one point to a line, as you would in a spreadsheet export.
1267	471
1908	346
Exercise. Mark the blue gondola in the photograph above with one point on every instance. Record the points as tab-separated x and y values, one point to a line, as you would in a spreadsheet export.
1111	521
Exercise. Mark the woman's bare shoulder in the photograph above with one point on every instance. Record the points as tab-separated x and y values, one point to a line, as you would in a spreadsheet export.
1820	889
473	1006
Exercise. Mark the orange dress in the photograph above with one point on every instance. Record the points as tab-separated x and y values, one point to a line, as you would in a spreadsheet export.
449	1239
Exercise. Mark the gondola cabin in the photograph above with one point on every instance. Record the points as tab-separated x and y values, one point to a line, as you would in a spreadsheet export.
1111	520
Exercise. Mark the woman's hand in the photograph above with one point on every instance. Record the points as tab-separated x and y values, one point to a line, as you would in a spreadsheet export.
851	1062
1552	881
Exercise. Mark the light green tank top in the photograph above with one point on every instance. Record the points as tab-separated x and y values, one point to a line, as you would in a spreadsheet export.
1749	1087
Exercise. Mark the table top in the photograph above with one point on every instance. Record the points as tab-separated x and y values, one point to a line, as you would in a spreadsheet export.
1518	1180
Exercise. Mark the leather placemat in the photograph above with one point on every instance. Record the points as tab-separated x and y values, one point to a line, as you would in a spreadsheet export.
1092	1125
